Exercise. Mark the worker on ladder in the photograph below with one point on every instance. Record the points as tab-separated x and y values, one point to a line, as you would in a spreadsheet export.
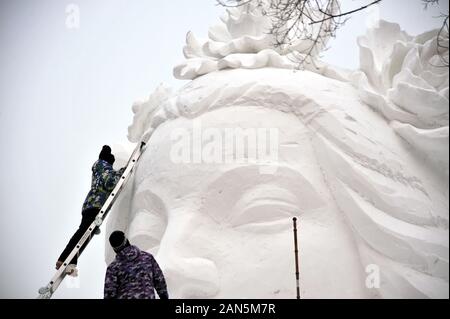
104	179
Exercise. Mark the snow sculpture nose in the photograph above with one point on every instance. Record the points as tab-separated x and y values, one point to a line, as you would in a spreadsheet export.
190	278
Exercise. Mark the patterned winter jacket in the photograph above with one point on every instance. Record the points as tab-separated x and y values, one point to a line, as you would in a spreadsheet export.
134	274
104	179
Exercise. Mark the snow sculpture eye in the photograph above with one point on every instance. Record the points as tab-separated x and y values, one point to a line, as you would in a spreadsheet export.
149	221
265	206
258	202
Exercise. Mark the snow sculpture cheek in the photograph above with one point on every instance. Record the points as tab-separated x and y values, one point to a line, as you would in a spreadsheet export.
149	220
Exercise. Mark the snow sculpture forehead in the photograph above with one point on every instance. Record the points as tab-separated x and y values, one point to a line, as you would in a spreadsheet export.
403	82
242	39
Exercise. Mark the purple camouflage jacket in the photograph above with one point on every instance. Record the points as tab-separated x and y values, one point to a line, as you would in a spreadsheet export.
134	274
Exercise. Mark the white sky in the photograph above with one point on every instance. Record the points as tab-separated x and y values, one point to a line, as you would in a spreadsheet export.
66	92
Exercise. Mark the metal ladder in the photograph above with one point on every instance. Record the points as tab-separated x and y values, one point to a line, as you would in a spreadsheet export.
47	291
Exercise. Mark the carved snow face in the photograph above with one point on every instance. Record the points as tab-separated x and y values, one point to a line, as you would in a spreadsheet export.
225	229
365	201
372	157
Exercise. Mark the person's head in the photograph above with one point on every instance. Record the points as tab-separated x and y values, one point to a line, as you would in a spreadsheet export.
217	228
219	220
118	241
206	223
106	155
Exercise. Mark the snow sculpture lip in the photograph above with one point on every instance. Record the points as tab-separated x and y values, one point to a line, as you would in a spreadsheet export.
403	78
241	40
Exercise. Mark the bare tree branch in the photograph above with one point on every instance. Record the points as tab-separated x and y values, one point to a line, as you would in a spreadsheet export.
345	13
442	37
427	3
443	41
315	21
301	21
237	3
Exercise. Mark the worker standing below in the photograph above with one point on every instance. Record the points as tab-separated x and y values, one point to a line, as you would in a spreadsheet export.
104	179
134	274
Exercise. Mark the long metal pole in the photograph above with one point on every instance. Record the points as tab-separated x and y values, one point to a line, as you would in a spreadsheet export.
297	274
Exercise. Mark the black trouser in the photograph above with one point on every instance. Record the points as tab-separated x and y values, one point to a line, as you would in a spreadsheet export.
87	219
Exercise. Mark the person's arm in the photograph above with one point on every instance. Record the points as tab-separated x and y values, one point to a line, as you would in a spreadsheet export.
159	280
111	285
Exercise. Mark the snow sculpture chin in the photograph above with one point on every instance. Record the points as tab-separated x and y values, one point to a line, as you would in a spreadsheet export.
373	211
